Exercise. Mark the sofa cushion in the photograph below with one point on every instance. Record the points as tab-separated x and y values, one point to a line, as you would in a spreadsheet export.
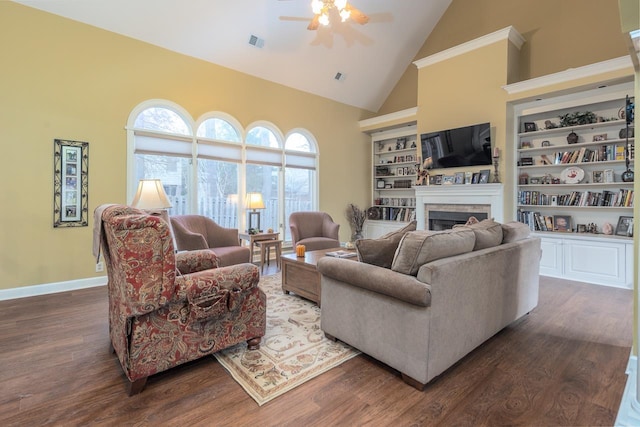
420	247
381	251
514	231
488	233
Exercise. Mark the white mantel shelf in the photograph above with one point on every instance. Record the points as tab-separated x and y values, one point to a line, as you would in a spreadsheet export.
462	194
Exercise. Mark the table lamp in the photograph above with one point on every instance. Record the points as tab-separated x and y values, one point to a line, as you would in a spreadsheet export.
254	201
152	198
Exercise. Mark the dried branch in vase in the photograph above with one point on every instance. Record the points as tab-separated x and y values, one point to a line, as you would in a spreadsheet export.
356	217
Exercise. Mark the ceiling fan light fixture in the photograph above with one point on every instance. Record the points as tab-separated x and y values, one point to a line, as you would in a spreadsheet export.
344	14
324	19
316	6
340	4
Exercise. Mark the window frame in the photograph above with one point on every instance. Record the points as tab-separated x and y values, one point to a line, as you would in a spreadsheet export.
244	149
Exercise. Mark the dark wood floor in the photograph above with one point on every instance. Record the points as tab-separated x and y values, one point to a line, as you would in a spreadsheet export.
564	364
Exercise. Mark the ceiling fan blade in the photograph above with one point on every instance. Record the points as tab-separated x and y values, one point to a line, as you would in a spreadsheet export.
293	18
357	15
315	22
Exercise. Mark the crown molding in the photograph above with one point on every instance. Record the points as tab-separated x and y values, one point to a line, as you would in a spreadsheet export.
570	74
506	33
409	115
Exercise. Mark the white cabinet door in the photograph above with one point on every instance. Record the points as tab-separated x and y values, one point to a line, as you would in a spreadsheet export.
551	260
375	229
595	262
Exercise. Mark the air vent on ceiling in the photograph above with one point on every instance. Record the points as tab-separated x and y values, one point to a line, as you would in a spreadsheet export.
256	41
339	77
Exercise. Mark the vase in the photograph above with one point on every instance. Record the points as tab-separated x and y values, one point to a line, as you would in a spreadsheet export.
357	235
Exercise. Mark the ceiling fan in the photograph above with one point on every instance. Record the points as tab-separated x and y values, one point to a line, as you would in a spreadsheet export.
325	11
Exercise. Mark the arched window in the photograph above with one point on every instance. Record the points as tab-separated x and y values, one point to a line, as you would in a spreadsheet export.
162	150
219	161
300	175
263	165
210	171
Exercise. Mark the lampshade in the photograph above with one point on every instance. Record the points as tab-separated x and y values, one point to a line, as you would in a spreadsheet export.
150	195
254	201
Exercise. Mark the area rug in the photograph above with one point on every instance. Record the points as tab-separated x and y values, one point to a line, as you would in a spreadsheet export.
293	351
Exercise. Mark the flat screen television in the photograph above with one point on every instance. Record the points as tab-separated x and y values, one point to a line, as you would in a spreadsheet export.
464	146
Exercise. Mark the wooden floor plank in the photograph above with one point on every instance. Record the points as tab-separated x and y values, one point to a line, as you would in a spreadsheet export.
564	364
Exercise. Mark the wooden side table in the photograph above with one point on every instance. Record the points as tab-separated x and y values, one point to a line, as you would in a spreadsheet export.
265	251
253	238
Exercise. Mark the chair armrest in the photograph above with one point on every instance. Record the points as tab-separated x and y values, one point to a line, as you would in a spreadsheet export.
376	279
212	293
187	240
193	261
331	229
295	233
223	237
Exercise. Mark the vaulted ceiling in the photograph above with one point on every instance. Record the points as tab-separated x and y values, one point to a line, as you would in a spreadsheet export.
369	58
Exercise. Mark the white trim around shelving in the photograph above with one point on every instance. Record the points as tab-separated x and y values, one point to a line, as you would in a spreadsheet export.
409	114
570	74
51	288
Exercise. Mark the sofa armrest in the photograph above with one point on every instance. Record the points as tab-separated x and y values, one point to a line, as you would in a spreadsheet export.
376	279
193	261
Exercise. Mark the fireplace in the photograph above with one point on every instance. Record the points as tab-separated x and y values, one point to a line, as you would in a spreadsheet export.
440	207
444	220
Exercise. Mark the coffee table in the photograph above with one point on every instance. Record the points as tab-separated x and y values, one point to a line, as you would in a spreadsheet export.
300	276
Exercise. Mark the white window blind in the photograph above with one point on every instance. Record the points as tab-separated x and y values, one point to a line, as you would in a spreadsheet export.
215	150
162	145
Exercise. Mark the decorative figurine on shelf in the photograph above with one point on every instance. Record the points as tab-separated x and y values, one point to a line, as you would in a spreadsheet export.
423	171
607	228
572	138
496	157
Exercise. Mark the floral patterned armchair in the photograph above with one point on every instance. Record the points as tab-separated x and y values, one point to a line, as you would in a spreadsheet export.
166	308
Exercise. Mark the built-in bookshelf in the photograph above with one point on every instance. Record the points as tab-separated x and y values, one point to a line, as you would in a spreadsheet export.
570	166
574	154
394	172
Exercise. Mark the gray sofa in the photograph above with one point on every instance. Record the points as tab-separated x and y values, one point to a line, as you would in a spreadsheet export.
444	295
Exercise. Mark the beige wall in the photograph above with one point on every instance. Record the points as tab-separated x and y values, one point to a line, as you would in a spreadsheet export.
560	34
63	79
476	97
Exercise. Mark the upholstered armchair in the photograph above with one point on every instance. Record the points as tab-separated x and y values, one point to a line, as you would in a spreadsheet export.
315	230
193	232
166	309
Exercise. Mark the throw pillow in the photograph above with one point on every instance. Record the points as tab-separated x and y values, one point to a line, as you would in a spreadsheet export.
488	234
514	231
420	247
381	251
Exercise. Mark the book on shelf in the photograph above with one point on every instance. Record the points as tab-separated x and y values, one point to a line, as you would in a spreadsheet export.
606	198
342	254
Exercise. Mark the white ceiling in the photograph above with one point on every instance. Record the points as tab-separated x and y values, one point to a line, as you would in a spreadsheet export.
371	57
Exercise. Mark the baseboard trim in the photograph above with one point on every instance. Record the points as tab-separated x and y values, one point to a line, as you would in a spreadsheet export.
51	288
629	412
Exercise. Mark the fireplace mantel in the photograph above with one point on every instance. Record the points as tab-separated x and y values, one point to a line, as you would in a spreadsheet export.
467	194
